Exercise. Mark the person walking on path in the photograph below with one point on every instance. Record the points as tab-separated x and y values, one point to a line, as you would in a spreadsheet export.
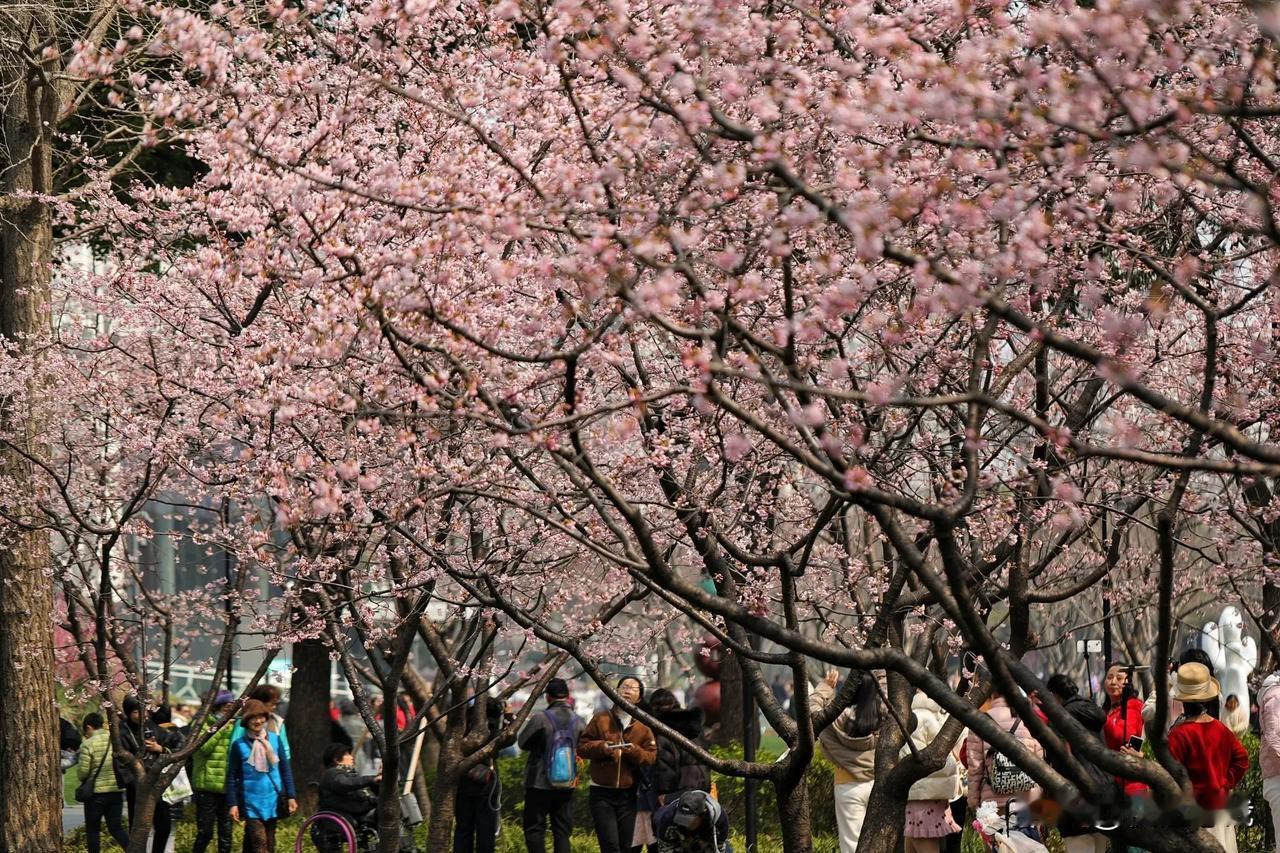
542	799
94	761
270	696
1215	760
1269	747
259	778
617	747
209	777
849	743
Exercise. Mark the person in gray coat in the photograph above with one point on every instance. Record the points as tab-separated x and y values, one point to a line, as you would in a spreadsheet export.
542	799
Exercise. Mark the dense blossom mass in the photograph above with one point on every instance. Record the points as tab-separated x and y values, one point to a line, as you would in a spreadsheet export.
848	308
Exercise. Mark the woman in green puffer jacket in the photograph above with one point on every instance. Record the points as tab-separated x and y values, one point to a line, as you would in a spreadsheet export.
209	780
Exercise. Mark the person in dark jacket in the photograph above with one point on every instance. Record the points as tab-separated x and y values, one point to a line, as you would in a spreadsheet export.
542	800
1077	824
677	770
68	743
691	823
147	740
479	794
345	793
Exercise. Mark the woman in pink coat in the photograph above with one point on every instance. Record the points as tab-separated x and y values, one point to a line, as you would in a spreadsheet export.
979	763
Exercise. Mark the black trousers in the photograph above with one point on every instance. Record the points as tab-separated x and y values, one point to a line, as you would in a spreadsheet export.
613	811
212	810
161	819
108	807
540	804
476	821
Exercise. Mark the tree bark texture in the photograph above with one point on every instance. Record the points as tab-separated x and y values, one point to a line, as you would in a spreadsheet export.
308	720
793	810
31	805
730	730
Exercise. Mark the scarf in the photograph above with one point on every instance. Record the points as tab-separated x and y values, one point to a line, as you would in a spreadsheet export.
261	756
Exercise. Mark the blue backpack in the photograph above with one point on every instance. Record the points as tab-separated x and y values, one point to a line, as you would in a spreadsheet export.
562	752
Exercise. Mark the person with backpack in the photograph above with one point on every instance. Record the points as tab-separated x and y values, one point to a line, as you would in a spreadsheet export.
209	776
617	747
994	776
106	802
550	740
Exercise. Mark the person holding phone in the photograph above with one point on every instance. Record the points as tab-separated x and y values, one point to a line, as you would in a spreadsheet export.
617	747
1123	728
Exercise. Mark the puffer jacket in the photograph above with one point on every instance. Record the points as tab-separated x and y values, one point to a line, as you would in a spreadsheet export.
209	763
616	768
943	783
977	761
94	759
1269	718
854	757
678	770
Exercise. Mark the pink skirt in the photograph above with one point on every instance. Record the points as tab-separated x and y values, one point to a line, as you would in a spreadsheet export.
930	819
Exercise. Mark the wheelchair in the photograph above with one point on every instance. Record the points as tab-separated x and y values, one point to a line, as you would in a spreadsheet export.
330	832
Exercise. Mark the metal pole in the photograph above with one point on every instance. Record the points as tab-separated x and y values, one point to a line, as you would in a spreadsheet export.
226	573
749	738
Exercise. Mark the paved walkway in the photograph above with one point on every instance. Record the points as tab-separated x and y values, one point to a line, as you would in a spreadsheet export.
72	816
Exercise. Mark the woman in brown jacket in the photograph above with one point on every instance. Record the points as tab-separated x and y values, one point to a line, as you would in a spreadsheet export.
617	746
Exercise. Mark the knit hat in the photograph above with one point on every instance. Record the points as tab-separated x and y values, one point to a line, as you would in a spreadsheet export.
557	688
254	708
1195	684
224	697
131	704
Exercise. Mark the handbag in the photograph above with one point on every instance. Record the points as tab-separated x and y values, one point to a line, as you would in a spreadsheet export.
1003	775
85	789
481	774
179	790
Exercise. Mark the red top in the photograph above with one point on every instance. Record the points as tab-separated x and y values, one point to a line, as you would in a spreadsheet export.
1118	729
1214	758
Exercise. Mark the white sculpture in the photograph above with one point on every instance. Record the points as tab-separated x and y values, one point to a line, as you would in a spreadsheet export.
1233	654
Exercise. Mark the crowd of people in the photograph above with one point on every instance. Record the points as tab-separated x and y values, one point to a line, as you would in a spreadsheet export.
977	779
646	791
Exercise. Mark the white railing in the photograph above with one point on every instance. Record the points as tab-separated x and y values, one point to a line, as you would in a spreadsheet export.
188	683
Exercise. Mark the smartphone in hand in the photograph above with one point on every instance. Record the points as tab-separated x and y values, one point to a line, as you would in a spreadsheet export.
1135	743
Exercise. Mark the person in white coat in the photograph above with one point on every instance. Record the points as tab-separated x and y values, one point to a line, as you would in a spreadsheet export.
849	743
929	818
1269	746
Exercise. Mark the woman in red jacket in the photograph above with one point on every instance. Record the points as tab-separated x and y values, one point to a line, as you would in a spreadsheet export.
1213	756
1123	728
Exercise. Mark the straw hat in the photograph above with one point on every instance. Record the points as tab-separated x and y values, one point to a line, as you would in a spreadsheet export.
1195	684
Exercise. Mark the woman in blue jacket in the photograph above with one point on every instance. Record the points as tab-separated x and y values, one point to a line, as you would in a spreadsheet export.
259	780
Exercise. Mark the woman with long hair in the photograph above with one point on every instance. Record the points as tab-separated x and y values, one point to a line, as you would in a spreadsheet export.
849	743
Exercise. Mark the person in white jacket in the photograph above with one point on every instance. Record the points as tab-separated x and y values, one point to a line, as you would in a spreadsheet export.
929	818
1269	746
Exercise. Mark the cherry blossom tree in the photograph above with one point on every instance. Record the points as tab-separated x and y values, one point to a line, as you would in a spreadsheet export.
902	325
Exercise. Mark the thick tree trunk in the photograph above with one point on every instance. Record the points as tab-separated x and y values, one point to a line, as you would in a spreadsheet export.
308	721
144	806
31	805
443	808
730	729
793	810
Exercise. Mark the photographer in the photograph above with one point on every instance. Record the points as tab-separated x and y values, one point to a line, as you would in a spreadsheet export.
479	795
